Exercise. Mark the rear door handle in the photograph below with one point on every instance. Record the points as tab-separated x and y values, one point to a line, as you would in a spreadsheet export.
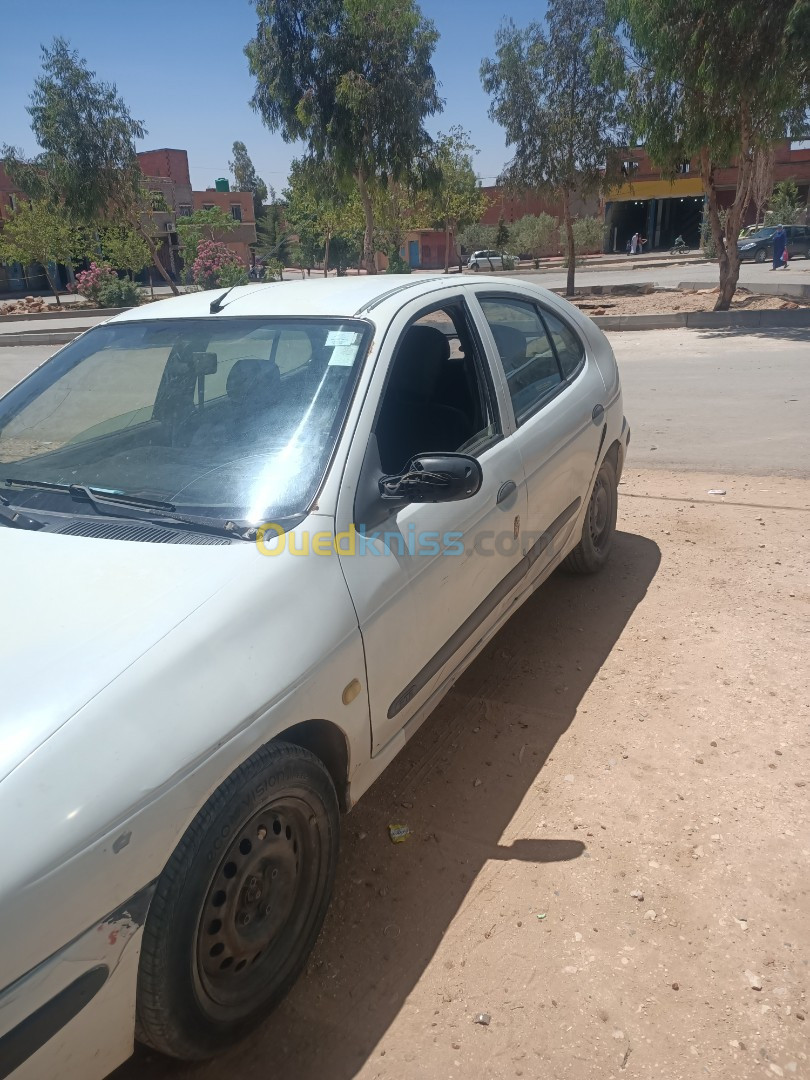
505	490
598	414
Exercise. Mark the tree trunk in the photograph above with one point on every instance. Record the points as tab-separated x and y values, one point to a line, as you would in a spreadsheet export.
54	289
368	236
569	235
725	238
326	257
447	248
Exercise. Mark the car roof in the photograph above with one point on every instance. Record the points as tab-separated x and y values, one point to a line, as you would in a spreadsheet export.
345	297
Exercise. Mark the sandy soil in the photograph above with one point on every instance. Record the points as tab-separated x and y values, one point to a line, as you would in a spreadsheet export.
609	815
664	301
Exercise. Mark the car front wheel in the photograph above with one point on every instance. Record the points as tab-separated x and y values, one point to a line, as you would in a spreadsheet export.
599	527
239	905
761	255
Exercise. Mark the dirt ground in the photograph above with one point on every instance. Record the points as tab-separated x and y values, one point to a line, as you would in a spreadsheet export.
609	831
666	301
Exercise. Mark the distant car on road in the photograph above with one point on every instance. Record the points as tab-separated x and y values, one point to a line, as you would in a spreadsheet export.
759	245
249	540
485	260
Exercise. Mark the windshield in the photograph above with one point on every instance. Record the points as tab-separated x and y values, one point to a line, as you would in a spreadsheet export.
232	418
761	234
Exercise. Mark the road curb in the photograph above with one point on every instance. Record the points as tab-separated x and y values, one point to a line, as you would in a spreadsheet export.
794	290
706	320
49	337
65	313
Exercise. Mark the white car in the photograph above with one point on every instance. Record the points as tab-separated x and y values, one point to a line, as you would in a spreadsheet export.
249	540
485	260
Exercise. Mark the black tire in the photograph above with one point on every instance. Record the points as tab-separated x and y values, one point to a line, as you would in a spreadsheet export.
475	268
599	527
239	905
761	256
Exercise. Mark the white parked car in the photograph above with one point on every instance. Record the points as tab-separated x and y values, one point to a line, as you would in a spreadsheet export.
249	540
485	260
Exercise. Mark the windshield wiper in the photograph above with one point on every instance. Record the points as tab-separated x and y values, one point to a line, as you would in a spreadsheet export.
16	520
155	511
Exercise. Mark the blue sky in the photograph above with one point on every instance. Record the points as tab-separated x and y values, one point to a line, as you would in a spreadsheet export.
180	67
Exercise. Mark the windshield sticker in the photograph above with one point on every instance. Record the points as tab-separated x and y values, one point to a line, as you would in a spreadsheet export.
343	356
341	337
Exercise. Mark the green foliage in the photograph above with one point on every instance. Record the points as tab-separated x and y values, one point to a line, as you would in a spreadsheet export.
273	270
233	273
43	232
245	178
124	248
273	237
784	207
501	234
323	214
113	292
88	161
589	235
477	237
708	246
534	234
562	116
455	200
717	80
351	78
397	265
202	225
86	133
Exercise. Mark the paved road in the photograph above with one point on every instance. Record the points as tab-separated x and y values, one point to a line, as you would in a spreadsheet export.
721	400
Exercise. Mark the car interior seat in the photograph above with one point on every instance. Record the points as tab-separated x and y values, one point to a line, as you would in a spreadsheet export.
412	420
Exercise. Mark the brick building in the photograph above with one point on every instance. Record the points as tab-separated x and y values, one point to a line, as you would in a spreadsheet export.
166	171
661	208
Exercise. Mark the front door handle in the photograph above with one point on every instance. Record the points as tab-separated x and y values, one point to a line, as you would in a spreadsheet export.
505	490
598	414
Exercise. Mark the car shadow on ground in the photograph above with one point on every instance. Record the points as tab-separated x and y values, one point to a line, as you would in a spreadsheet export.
458	785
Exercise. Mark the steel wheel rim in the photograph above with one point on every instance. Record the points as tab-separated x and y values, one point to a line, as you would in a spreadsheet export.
599	513
258	902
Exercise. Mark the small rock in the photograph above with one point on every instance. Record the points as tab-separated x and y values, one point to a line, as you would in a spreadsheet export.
754	981
477	782
717	491
676	986
483	1019
618	1034
650	915
637	894
569	778
775	1069
570	970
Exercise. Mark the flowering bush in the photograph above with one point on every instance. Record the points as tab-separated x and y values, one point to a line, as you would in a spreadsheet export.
90	282
217	265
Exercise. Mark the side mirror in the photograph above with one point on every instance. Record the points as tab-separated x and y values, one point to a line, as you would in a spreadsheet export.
433	478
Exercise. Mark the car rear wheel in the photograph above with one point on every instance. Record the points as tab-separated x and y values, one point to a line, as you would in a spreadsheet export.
599	527
761	255
475	268
239	905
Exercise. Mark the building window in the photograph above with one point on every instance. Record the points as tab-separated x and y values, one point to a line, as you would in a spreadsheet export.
12	202
236	211
683	167
208	206
184	210
629	167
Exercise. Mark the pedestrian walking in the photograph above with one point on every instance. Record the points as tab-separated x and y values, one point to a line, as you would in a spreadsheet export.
634	244
779	248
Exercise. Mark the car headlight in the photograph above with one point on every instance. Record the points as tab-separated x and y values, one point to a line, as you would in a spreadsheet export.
747	247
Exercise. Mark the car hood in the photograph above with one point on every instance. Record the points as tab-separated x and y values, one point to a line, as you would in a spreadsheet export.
77	612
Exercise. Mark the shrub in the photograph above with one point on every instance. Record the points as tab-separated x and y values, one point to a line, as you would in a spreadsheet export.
215	259
117	293
397	265
89	282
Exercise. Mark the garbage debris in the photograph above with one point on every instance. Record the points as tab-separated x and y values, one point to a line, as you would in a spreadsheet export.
399	833
483	1019
718	491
